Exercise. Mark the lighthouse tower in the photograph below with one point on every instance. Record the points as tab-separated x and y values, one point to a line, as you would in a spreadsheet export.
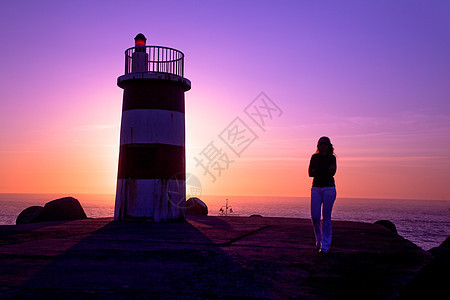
151	178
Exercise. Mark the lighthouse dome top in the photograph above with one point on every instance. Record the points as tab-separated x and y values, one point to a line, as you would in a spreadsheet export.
140	40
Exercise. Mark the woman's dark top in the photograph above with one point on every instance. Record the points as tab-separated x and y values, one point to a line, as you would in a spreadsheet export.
319	168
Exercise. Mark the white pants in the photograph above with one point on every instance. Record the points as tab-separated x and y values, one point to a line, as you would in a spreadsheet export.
322	197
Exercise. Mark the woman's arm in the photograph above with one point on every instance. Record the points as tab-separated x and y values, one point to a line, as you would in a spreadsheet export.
312	168
333	166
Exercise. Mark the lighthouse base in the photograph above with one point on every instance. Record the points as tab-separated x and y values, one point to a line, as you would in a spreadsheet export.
158	200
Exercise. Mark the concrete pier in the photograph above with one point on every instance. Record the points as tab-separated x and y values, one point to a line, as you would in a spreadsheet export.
203	257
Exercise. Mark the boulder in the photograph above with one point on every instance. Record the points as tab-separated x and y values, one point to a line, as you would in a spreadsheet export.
432	280
195	206
446	243
67	208
387	224
28	215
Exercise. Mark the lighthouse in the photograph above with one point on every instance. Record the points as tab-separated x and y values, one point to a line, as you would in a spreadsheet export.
151	179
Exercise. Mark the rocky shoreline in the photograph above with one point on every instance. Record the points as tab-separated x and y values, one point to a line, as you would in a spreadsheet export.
210	257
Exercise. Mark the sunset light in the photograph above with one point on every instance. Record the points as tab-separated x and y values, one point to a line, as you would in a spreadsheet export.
291	149
371	76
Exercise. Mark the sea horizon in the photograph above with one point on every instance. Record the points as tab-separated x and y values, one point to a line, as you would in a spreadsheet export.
424	222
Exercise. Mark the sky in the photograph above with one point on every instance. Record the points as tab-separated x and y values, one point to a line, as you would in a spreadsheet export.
371	75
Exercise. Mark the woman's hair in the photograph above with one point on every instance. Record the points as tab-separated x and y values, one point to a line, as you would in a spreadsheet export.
326	140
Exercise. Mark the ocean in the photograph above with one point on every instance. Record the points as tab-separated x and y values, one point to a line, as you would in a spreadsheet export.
424	222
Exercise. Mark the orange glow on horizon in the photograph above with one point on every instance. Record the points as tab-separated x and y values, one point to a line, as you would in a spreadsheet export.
379	90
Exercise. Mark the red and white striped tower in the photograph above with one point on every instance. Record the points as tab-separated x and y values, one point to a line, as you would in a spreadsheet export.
151	181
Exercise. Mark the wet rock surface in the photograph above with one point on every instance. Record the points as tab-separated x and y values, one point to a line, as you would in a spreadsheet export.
204	257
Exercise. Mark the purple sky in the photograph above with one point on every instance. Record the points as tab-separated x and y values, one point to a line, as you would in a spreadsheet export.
372	75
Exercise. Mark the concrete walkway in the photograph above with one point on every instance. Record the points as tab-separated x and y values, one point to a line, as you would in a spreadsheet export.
204	257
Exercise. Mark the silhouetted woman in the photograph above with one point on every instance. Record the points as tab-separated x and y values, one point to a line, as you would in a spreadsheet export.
323	192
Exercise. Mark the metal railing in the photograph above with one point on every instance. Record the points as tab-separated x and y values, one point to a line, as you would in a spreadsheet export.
159	59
